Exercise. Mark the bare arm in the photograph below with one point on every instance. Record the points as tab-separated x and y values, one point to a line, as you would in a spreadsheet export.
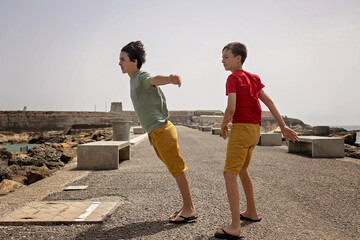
288	133
229	113
163	80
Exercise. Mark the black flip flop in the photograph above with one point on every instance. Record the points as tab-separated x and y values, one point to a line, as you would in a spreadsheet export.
249	219
227	236
185	220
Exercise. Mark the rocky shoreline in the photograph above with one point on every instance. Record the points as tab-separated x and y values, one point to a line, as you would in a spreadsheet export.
54	149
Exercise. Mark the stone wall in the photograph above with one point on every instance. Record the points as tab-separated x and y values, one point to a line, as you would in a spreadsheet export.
17	121
54	120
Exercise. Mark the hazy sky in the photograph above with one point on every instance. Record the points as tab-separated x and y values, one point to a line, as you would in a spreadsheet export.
63	55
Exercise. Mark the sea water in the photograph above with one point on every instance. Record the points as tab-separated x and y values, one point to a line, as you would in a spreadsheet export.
18	147
350	128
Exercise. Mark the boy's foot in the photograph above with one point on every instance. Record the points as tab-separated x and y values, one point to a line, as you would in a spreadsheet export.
252	218
175	214
181	219
228	234
184	214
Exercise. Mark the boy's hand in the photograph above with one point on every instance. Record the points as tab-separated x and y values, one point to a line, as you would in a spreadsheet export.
175	79
224	131
289	134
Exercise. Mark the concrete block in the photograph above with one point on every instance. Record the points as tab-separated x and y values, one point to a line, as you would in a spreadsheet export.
228	133
216	131
138	130
319	147
121	130
270	139
322	130
103	155
205	128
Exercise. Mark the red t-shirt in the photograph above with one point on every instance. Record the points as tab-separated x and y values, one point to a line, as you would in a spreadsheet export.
247	87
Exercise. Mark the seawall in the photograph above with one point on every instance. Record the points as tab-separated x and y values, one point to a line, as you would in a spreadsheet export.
17	121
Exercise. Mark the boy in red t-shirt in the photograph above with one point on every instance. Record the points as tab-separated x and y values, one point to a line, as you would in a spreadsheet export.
244	91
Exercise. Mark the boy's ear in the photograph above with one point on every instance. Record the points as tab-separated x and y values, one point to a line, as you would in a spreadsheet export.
238	58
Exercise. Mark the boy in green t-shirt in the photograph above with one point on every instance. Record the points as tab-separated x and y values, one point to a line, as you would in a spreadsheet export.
150	107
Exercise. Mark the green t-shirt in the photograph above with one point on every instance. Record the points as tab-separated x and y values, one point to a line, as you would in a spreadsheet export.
149	102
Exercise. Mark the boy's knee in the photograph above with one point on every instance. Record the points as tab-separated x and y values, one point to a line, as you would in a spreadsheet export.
229	174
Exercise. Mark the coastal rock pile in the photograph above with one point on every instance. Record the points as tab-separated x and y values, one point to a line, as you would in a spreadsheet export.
38	163
53	150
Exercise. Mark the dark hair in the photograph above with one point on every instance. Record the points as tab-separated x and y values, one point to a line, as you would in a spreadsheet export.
237	49
135	50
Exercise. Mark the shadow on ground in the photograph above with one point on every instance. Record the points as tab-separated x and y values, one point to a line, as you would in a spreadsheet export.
129	231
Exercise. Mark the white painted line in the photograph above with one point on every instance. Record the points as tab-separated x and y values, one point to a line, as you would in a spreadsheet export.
88	211
74	188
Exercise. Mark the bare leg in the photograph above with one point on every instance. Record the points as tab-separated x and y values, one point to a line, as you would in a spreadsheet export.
233	197
249	194
188	209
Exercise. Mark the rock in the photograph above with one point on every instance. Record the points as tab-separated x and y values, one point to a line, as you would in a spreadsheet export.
97	135
37	174
22	160
39	140
13	138
352	151
5	155
23	170
65	145
47	137
69	144
15	169
55	165
7	186
47	151
350	138
66	157
5	171
276	130
322	130
36	164
19	178
57	145
338	131
86	140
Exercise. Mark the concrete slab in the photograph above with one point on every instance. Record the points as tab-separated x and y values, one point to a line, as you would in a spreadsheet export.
216	131
138	139
205	128
138	130
47	213
103	155
319	147
270	139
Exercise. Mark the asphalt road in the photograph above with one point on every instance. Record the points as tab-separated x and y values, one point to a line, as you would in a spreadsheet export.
298	197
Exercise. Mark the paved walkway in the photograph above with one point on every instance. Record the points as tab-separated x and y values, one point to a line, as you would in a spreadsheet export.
298	197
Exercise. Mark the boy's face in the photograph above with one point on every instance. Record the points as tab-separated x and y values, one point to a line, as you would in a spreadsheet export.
230	62
126	64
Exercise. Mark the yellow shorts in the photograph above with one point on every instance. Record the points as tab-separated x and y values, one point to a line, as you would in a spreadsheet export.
165	142
242	141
